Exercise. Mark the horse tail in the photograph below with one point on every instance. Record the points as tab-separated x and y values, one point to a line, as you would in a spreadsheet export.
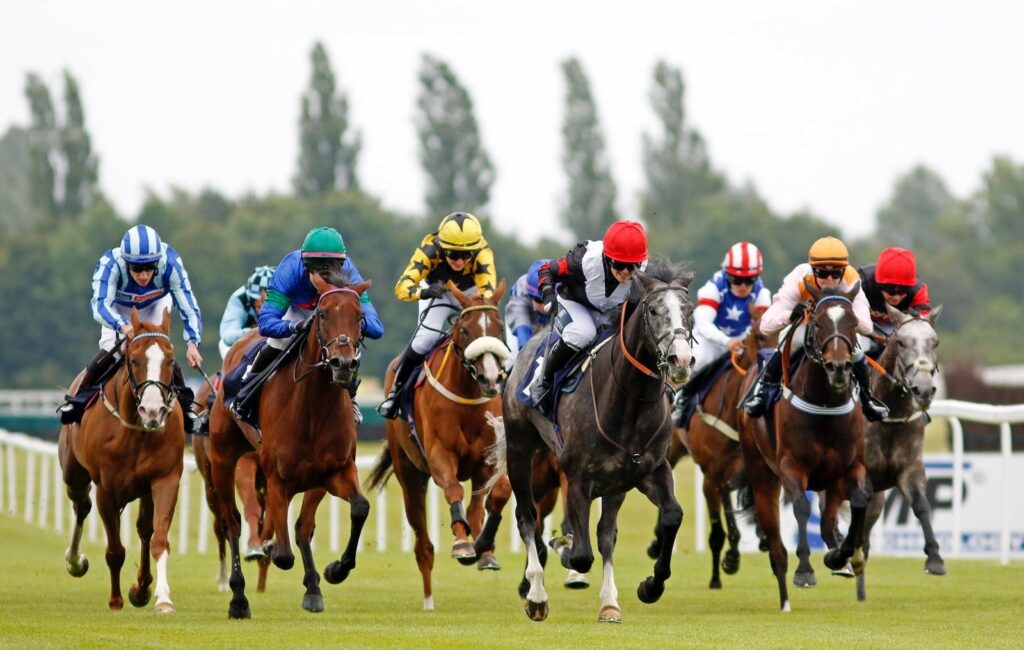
496	457
381	472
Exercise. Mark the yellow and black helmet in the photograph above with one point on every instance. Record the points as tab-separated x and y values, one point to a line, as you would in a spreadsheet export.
460	231
828	251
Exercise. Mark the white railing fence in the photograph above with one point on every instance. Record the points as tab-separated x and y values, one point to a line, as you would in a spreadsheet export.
956	411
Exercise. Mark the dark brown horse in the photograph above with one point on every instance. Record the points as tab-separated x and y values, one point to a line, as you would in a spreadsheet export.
712	440
249	484
817	443
450	409
308	445
132	447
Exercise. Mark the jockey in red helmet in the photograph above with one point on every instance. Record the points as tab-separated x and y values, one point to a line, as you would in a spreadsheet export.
892	281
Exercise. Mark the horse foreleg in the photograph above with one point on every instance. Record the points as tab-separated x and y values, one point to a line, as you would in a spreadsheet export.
278	499
579	556
414	495
444	467
245	484
794	482
139	592
109	513
731	562
607	531
852	546
659	488
225	449
766	488
78	484
875	507
495	504
521	480
313	599
345	485
165	498
913	484
716	538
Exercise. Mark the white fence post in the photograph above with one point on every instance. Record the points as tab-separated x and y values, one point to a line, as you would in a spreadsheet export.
433	513
44	490
700	511
957	431
12	490
382	520
30	484
1006	449
186	505
59	497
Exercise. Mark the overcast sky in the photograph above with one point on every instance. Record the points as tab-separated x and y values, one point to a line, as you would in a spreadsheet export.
820	104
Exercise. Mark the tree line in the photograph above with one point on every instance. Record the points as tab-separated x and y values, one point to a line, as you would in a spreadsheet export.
56	221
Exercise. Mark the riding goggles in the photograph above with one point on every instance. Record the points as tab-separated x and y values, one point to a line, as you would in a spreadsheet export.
894	289
737	280
624	266
823	272
142	268
459	255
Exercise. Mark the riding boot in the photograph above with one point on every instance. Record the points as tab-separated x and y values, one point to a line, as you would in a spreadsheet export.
874	409
406	365
557	356
356	413
679	405
264	358
185	398
756	404
71	410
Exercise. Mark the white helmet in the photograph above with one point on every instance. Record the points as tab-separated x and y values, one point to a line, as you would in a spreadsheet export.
743	260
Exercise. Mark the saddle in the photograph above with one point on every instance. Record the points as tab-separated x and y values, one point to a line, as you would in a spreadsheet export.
566	379
233	383
86	396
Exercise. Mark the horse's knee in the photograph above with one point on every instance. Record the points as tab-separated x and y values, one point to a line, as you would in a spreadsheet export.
717	536
802	506
859	497
671	516
360	508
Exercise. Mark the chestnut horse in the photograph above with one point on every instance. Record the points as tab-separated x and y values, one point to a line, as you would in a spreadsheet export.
453	437
249	484
132	447
711	439
308	445
816	443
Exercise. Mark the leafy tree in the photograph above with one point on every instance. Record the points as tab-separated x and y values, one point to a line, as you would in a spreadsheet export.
912	216
458	168
16	211
676	163
81	167
590	207
43	146
328	152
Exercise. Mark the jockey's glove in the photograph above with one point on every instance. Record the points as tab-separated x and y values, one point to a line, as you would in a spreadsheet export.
433	290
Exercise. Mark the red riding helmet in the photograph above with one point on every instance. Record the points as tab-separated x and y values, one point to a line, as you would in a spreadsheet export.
626	241
896	266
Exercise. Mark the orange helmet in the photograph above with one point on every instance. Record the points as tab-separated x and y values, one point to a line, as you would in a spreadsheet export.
828	251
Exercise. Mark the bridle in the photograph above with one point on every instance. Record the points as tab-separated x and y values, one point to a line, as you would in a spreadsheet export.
648	334
460	351
344	376
167	392
899	375
815	351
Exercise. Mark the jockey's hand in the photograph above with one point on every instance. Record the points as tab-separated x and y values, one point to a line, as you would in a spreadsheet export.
736	345
798	312
127	331
548	296
433	290
192	355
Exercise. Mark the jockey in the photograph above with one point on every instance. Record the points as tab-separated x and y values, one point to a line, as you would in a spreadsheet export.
723	314
593	279
524	311
891	281
146	274
243	307
456	251
292	295
827	267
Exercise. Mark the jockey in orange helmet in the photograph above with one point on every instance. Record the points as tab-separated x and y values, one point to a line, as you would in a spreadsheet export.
827	267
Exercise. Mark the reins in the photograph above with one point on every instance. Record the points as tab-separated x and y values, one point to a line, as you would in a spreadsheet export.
469	367
167	391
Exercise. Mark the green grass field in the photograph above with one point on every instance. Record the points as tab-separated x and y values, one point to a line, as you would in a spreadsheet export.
978	604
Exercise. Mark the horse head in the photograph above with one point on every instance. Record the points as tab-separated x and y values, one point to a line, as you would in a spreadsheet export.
478	335
337	326
912	347
149	361
831	332
668	317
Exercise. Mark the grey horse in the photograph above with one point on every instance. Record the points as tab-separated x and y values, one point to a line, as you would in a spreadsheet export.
616	430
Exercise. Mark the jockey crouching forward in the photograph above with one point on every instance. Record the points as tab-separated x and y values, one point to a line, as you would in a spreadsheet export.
146	274
243	308
320	265
458	252
592	279
827	268
891	281
524	311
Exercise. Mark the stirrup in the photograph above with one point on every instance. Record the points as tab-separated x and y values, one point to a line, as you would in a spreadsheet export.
389	407
357	413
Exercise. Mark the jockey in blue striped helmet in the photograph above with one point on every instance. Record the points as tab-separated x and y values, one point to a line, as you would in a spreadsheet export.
146	274
243	308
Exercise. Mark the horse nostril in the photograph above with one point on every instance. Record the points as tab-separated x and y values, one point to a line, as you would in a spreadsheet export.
934	389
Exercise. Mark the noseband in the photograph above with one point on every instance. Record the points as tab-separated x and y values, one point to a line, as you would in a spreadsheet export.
460	351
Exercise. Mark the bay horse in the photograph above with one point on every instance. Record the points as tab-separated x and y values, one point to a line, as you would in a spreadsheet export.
614	433
131	448
452	437
308	445
894	447
712	440
249	484
816	443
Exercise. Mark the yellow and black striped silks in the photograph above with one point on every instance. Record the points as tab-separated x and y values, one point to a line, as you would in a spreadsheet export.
427	263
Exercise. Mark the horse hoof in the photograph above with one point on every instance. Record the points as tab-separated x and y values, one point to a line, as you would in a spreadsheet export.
254	553
731	562
763	546
805	579
463	551
715	584
79	570
845	572
488	562
164	608
313	603
650	590
116	603
137	596
786	608
609	614
935	568
240	610
524	588
536	611
653	551
284	562
834	559
575	580
336	572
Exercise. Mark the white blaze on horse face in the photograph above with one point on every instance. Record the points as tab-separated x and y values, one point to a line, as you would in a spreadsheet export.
491	368
836	313
680	343
152	399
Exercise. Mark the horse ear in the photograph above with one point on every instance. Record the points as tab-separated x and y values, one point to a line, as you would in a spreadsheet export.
854	290
135	319
461	297
813	290
933	315
686	278
896	316
165	324
498	293
362	286
646	280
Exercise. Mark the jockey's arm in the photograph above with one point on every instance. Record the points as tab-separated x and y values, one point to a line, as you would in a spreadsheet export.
704	325
271	319
232	324
862	310
372	327
181	291
921	302
517	313
105	280
776	317
424	259
486	274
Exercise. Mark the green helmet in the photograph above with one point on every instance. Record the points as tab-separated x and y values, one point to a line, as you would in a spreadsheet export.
323	243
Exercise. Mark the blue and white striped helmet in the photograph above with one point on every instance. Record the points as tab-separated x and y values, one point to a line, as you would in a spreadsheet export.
140	245
258	281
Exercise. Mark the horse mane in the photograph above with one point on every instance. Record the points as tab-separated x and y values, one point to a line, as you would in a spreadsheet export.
336	278
660	268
